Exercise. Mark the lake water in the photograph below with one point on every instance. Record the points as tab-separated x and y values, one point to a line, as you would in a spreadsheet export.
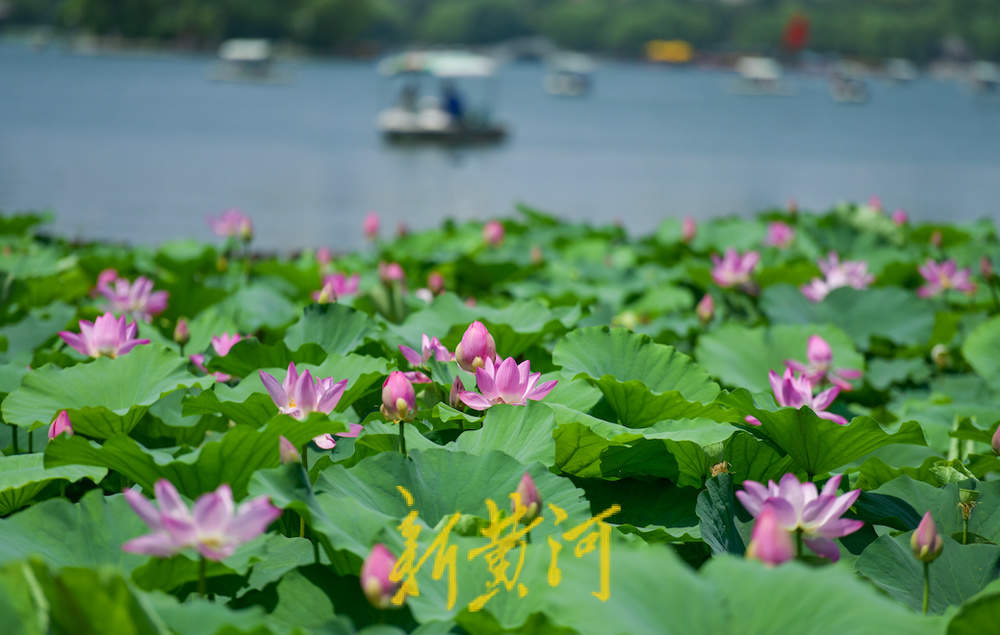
142	147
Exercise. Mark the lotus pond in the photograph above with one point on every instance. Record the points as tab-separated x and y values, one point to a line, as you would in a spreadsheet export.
778	424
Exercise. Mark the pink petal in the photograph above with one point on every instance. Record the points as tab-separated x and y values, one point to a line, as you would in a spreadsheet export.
169	500
411	355
274	389
253	518
354	429
542	390
159	544
325	441
474	400
824	548
143	508
213	511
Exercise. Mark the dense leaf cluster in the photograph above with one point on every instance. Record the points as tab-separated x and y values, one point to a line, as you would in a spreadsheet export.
650	413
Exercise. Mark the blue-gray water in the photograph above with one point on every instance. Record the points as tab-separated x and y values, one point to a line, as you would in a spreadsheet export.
141	148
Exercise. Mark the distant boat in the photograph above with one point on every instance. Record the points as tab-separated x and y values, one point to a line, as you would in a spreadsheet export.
448	119
569	75
760	76
847	85
243	60
901	70
985	76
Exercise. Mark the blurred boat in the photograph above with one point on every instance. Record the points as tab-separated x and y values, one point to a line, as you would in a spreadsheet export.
901	70
569	75
985	76
416	118
760	76
847	84
243	60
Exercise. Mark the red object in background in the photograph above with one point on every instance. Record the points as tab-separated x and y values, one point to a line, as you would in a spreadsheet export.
796	32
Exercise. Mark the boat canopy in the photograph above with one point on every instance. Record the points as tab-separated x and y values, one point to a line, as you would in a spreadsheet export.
759	68
245	50
438	64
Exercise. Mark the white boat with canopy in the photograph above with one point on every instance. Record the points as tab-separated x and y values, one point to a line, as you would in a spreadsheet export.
444	115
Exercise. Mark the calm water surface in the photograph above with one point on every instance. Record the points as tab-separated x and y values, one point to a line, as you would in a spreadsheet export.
141	148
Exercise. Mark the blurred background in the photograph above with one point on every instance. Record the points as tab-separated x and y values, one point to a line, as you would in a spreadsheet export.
134	119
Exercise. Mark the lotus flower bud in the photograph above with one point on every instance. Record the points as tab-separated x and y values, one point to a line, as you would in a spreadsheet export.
476	347
391	272
986	267
324	256
375	582
402	229
706	309
288	452
769	543
399	402
531	500
536	255
370	225
493	233
456	387
996	441
435	282
941	355
925	541
900	217
936	238
875	203
688	229
793	206
60	425
181	332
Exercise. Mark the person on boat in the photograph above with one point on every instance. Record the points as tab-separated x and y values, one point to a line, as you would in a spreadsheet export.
452	102
408	97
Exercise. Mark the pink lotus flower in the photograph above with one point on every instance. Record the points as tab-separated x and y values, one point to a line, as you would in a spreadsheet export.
232	224
944	276
222	345
769	543
435	282
798	506
107	335
900	217
133	298
506	382
336	286
875	203
399	402
376	583
493	233
926	542
391	272
429	347
60	425
298	395
820	364
370	225
850	273
797	391
476	347
302	394
705	309
779	235
734	269
688	229
215	527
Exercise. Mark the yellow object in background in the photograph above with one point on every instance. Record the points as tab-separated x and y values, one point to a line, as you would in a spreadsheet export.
670	51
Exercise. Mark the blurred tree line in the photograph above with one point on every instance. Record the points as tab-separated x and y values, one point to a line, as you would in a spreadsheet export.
869	28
